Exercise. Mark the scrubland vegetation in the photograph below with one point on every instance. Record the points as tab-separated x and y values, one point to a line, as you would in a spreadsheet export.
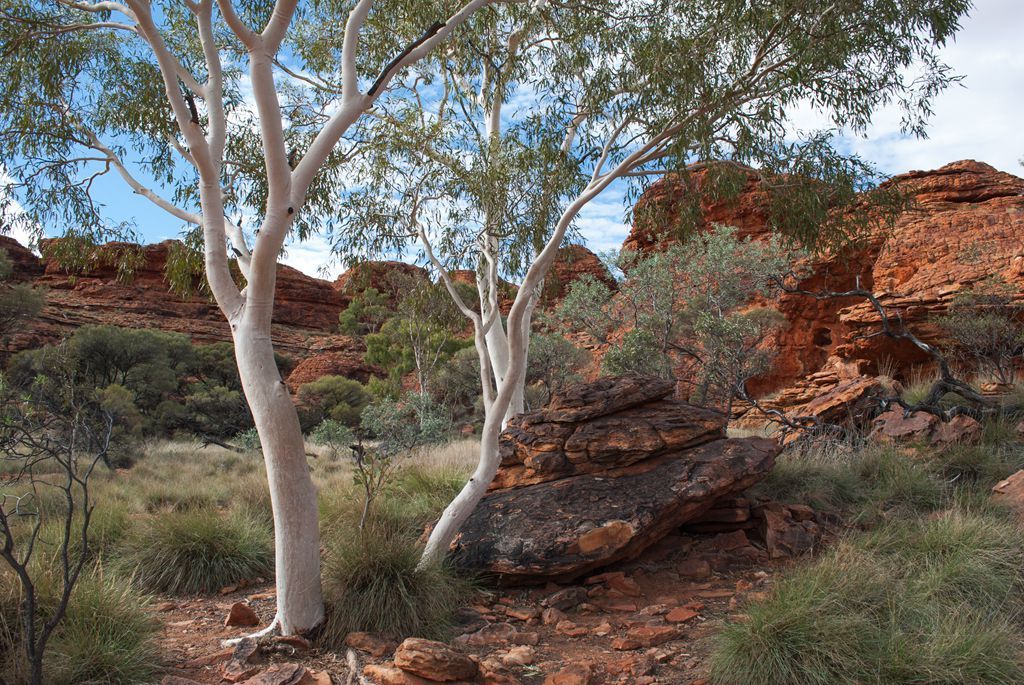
188	520
924	587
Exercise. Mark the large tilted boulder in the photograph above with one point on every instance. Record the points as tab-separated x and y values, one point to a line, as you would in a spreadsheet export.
608	469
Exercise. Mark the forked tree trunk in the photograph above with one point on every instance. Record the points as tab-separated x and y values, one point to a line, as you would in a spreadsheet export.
292	493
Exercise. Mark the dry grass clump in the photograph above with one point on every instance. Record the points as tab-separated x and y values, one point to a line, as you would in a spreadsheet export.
197	551
372	582
107	635
915	602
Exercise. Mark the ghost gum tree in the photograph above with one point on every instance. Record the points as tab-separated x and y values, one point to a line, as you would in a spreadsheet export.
215	111
527	119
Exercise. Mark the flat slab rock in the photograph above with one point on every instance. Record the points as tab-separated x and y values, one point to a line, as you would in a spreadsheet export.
603	427
562	529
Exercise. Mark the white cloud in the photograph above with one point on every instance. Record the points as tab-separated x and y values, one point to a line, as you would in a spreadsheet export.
9	212
313	257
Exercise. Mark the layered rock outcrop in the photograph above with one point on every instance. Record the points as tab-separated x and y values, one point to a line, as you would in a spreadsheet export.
305	309
966	224
608	469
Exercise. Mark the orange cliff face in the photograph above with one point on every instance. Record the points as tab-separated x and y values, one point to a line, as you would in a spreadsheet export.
967	223
306	309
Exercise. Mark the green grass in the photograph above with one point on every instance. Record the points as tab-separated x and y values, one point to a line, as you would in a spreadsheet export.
198	551
107	636
920	601
372	583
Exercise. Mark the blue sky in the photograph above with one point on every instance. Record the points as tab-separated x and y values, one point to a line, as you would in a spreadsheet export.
977	119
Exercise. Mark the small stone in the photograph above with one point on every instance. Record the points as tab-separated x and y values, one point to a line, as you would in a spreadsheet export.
317	678
552	616
279	674
387	674
296	642
566	599
655	610
625	585
434	660
645	636
522	613
228	589
523	655
241	615
603	629
175	680
570	629
163	607
577	674
374	645
680	615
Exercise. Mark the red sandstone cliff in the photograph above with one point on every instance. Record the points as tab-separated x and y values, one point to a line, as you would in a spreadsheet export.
967	223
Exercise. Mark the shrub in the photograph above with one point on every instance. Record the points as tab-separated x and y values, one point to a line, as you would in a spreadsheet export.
332	397
106	636
333	435
198	551
372	583
925	601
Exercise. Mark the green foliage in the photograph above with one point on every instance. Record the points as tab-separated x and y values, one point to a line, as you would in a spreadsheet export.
421	335
332	397
919	601
403	425
108	636
334	435
365	313
153	382
985	327
553	363
197	551
458	386
217	411
682	307
18	301
372	582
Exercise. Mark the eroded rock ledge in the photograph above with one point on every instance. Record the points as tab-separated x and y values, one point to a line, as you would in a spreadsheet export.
607	470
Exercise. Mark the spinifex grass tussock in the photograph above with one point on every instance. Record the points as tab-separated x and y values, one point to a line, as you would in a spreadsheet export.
920	601
198	551
372	582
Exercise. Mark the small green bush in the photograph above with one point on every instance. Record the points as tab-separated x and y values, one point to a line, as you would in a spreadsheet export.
332	397
372	583
198	551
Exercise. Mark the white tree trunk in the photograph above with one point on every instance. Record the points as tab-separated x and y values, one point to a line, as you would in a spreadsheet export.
292	493
456	513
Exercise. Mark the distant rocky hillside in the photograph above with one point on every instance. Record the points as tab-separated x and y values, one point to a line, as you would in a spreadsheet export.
305	313
967	225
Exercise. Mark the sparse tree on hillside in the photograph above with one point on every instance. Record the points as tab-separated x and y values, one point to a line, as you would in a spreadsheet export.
985	326
18	301
227	110
532	118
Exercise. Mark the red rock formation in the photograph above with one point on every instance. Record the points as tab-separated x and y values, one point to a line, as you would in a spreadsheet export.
573	262
389	277
966	225
569	502
659	212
